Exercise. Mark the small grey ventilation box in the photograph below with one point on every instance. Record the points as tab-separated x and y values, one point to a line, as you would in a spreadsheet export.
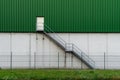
40	24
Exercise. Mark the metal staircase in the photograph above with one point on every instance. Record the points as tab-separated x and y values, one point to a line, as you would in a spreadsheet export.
69	47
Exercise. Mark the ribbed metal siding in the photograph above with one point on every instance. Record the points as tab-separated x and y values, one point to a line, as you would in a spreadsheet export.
60	15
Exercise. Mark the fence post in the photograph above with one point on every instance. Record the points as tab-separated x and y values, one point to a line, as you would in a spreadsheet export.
34	60
65	61
58	60
81	61
71	60
29	61
104	60
11	60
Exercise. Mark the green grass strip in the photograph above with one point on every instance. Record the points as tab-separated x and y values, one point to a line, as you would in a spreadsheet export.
53	74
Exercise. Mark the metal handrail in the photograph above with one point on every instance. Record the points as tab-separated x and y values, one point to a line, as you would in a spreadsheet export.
54	32
55	35
74	46
75	49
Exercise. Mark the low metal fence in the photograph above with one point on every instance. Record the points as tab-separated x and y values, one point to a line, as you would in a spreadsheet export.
55	60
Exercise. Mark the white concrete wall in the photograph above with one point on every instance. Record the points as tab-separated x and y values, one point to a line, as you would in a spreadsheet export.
46	51
95	45
33	50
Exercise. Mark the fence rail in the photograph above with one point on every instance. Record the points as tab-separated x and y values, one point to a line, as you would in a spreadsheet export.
57	60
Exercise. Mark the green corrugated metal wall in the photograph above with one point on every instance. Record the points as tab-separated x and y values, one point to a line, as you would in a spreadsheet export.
60	15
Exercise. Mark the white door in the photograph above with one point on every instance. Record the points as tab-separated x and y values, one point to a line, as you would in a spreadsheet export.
40	24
